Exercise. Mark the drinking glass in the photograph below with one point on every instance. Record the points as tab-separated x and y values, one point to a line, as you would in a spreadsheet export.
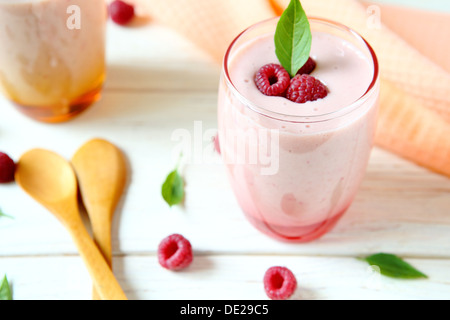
295	175
52	57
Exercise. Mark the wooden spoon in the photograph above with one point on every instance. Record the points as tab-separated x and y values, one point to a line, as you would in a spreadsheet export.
51	181
101	171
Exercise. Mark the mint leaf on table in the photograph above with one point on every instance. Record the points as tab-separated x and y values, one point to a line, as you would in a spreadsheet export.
2	214
293	38
5	290
392	266
172	189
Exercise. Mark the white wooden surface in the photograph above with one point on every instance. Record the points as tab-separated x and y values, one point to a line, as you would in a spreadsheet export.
158	83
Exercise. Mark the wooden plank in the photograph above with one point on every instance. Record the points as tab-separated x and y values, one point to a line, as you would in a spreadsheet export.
223	278
401	208
154	58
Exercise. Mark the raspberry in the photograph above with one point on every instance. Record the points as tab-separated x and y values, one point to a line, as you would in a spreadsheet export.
279	283
7	168
305	88
308	67
175	252
121	12
272	80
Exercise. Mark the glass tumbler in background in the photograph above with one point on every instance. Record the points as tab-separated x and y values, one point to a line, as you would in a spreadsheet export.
52	57
293	174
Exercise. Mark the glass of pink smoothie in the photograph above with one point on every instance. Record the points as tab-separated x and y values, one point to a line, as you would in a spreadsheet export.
52	56
296	168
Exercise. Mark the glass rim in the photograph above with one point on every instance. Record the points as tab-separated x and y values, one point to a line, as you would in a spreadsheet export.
305	118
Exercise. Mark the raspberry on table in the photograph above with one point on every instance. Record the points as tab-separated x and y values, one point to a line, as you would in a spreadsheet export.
175	252
121	12
308	67
272	80
279	283
305	88
7	168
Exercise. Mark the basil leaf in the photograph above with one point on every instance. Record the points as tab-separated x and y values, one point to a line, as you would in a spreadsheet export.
5	290
293	38
173	188
392	266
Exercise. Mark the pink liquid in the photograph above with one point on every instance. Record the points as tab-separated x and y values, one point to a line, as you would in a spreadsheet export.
294	179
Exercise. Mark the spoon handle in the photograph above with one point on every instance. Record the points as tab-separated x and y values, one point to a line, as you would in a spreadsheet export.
104	280
101	229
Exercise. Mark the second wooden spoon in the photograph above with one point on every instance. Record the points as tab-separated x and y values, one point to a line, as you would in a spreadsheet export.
101	171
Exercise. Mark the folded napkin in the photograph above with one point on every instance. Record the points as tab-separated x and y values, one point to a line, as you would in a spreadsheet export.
414	119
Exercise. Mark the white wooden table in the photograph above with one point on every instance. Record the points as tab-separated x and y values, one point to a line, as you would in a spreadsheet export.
159	83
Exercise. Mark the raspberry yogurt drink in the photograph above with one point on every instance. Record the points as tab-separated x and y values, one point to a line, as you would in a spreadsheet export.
52	57
295	168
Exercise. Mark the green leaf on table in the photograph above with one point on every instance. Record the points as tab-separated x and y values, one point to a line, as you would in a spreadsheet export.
392	266
5	290
293	38
2	214
173	188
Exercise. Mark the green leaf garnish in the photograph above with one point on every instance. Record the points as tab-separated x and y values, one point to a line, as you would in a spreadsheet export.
2	214
293	38
392	266
5	290
173	188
